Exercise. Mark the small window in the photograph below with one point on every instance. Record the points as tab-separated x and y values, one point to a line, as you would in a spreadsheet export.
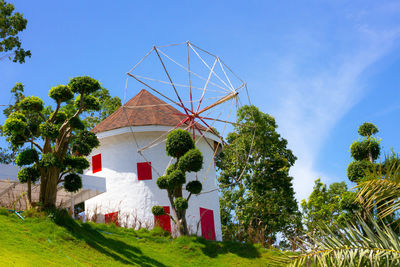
96	163
144	171
111	218
164	221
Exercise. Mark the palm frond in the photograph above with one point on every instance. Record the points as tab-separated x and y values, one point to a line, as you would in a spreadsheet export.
381	189
361	243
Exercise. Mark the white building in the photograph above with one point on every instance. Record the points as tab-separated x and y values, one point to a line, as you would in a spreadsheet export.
131	176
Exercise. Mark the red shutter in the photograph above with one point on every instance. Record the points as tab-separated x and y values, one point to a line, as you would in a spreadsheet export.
111	217
164	221
96	163
144	171
207	224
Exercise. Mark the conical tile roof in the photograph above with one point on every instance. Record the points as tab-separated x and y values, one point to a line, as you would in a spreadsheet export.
143	109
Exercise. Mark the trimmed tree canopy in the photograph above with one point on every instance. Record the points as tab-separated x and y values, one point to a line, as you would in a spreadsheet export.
58	138
181	146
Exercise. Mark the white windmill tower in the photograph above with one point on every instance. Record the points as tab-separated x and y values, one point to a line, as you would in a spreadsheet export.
132	153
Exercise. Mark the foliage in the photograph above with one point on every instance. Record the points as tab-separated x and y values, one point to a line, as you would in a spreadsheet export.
330	206
357	169
359	243
180	145
158	210
191	161
181	203
108	105
364	152
257	197
367	129
370	238
194	187
72	182
5	156
27	157
58	137
28	173
11	24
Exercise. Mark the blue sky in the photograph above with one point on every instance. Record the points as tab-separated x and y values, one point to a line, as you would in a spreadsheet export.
321	68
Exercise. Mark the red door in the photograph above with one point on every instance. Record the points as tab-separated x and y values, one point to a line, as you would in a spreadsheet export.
111	217
207	224
164	221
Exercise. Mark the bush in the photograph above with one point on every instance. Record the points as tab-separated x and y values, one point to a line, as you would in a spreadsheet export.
194	187
176	178
162	182
49	160
27	173
84	84
178	143
158	231
61	93
27	157
359	150
356	170
181	203
76	123
191	161
31	103
49	129
367	129
158	210
4	212
72	182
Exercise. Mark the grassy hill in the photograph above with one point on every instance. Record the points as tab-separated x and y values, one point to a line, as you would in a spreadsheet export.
57	240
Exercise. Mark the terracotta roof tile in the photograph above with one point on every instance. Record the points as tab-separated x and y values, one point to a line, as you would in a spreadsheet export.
143	109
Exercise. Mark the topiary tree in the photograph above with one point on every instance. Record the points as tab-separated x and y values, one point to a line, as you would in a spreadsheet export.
57	139
180	146
364	152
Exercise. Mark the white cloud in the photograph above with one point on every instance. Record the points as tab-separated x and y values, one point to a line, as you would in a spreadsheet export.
314	101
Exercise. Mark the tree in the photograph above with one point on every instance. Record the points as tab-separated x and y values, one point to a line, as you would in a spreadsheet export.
364	152
11	24
52	143
90	118
371	238
328	206
257	196
188	158
360	241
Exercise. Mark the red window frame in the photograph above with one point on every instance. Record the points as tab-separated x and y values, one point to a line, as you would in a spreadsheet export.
96	163
164	221
207	223
111	217
144	171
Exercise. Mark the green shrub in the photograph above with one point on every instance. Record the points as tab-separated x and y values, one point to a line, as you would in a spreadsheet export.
157	210
194	187
178	143
181	203
158	231
4	212
176	178
27	157
191	161
61	93
72	182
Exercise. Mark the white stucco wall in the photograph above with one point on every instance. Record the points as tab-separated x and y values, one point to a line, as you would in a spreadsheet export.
134	198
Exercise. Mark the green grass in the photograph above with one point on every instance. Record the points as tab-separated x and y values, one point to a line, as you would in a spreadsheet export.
61	241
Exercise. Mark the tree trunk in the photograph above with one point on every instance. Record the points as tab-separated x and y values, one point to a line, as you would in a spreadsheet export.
29	193
179	218
48	190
